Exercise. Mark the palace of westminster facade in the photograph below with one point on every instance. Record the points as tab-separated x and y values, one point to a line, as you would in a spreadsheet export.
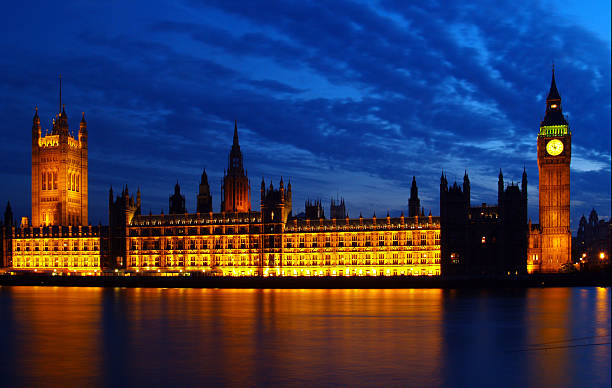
271	241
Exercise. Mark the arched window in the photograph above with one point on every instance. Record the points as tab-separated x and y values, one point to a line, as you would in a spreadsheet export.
49	182
44	181
54	180
78	181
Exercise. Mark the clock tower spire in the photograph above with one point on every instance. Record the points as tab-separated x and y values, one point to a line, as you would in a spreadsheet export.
554	157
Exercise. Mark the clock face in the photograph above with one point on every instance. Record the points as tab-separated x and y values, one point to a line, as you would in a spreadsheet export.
554	147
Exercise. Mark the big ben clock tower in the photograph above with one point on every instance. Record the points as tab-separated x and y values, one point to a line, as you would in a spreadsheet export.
554	156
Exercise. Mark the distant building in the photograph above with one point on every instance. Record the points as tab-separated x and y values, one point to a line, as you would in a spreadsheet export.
121	211
204	199
6	228
177	201
591	246
314	210
414	204
337	209
483	240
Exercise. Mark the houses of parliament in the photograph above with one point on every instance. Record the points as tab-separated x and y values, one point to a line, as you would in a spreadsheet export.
240	240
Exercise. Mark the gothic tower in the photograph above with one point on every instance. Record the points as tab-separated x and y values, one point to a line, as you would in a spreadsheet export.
59	172
204	199
236	189
554	156
177	201
414	204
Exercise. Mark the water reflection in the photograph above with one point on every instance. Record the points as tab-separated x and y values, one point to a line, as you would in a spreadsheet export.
54	336
136	337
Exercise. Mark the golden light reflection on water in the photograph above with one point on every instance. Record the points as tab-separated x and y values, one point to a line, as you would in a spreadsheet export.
57	335
112	337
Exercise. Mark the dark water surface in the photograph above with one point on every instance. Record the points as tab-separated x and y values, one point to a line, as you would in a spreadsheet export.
88	337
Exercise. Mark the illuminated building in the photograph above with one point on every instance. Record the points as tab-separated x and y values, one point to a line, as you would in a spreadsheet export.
59	172
550	242
270	242
64	248
59	237
266	243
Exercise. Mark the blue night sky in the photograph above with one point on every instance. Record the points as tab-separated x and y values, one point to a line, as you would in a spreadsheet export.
342	98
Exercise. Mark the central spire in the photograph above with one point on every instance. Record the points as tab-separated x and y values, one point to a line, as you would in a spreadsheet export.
236	191
554	112
235	157
236	133
553	93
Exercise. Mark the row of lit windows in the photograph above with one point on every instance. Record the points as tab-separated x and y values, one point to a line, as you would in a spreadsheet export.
314	227
49	262
423	258
183	221
193	244
58	245
244	242
364	239
49	181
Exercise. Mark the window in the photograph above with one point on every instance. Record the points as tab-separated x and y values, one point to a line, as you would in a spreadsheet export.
395	240
54	180
381	239
44	181
423	239
454	258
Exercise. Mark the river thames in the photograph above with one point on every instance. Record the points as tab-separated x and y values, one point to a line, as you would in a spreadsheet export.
89	337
